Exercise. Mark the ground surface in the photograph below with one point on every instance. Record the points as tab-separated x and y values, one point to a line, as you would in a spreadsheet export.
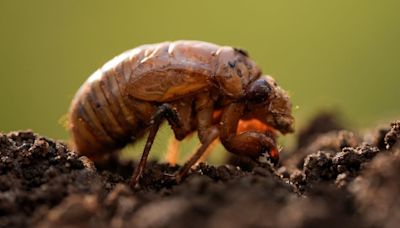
335	178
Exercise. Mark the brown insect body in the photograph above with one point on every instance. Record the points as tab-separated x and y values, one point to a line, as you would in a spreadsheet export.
191	79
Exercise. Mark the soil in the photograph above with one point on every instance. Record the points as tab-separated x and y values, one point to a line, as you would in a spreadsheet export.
334	178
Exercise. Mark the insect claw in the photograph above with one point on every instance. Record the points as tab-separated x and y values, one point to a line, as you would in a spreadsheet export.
270	157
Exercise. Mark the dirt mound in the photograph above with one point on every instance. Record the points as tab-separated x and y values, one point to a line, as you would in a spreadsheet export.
334	178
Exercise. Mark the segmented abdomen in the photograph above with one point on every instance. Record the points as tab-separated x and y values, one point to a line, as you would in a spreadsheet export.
101	119
104	116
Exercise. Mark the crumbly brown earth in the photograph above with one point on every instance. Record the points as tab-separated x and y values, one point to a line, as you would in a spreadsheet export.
335	178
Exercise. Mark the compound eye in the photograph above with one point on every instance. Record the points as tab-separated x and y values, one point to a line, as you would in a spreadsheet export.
258	91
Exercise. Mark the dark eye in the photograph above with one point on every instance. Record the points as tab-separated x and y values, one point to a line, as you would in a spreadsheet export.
258	91
232	64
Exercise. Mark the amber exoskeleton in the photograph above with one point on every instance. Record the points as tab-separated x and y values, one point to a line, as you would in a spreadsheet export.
217	91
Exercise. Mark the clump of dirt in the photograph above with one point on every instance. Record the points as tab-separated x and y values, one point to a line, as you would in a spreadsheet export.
340	167
393	135
377	191
334	178
36	174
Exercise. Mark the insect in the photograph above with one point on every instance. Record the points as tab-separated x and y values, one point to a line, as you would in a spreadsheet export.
217	91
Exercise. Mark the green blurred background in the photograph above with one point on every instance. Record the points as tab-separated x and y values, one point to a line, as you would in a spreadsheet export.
342	55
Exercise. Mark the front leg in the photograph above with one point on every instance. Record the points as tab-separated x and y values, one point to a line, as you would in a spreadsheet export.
183	125
249	143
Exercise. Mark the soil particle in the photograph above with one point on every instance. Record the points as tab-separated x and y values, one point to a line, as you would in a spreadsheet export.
393	135
339	168
318	167
329	142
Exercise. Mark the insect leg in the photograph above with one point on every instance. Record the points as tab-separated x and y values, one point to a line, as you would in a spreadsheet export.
249	143
207	141
182	128
207	132
208	151
204	109
183	123
163	111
